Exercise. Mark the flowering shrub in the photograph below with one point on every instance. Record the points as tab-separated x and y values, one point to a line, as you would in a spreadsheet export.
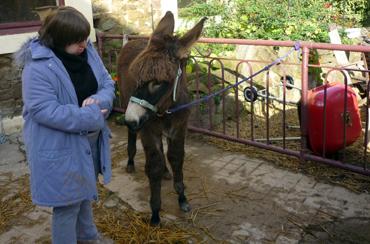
318	74
115	78
305	20
354	10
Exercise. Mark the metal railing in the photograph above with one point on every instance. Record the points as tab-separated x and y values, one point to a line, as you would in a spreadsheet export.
302	154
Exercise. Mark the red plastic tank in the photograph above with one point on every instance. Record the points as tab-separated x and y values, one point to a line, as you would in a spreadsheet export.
335	118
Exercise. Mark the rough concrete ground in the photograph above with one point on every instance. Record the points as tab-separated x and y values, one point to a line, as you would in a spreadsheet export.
235	198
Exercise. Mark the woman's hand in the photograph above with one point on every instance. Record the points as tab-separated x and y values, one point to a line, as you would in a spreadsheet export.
90	100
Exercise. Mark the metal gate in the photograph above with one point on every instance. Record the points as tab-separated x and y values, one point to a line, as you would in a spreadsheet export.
108	54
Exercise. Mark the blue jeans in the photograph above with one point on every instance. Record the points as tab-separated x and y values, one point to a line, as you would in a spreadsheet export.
76	222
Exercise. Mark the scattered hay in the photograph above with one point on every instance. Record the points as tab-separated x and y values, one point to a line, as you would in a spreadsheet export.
15	200
125	225
120	222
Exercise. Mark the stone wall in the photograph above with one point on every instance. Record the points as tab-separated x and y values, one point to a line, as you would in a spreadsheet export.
125	16
10	88
133	17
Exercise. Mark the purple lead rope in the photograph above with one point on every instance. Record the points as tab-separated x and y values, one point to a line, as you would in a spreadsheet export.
296	47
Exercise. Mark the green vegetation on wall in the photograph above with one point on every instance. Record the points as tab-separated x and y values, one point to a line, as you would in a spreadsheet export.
305	20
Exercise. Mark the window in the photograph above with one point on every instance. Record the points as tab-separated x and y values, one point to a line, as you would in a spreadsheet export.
24	16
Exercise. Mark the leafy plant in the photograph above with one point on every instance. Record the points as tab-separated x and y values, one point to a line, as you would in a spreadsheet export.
353	11
304	20
115	78
319	76
202	105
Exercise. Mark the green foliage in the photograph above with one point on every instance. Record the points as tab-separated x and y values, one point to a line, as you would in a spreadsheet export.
305	20
317	72
354	10
365	20
203	105
193	97
115	78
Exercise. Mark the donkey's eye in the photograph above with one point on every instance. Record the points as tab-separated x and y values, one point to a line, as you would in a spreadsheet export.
156	83
154	86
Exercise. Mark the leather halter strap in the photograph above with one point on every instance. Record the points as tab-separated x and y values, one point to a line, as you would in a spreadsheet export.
144	104
179	72
147	105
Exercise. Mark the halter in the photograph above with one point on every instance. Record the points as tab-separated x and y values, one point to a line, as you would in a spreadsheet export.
144	104
179	72
147	105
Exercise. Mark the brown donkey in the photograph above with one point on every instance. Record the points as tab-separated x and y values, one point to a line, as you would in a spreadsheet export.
150	83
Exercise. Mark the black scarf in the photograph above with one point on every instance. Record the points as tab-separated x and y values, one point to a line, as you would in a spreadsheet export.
80	72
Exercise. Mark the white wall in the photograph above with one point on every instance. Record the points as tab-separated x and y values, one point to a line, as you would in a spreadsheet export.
85	7
11	43
170	5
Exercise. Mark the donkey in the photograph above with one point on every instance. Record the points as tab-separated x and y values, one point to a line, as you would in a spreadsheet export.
150	83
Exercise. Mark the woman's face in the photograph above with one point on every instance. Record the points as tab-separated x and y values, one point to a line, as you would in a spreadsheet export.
76	48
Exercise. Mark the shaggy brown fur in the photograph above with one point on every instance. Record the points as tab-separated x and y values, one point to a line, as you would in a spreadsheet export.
147	70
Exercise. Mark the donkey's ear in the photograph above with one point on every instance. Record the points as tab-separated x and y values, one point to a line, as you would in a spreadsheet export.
190	38
165	26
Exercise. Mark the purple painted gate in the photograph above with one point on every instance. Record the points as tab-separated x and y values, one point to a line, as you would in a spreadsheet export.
303	154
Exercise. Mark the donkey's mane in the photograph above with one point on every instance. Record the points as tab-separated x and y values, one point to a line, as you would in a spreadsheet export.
156	61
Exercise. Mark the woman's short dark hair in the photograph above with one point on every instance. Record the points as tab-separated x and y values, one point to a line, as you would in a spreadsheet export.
64	26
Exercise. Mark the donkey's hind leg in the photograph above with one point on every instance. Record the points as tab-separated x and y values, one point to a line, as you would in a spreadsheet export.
167	175
131	151
175	156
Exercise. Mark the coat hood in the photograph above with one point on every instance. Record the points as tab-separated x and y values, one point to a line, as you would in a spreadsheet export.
24	54
31	50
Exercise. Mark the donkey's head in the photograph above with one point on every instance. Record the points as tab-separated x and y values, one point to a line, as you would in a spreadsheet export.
157	71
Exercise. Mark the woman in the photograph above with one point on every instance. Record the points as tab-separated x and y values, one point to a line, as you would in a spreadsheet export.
67	95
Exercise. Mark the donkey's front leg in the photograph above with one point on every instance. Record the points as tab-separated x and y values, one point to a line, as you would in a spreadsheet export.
131	151
175	155
154	169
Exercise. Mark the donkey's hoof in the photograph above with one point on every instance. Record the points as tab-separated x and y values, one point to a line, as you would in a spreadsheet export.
154	221
130	168
185	206
167	176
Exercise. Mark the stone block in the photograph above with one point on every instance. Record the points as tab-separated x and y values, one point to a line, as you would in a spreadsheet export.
134	29
5	95
326	58
12	124
135	15
129	7
115	31
4	62
17	92
121	20
8	104
146	5
11	74
7	113
108	24
4	84
117	6
146	30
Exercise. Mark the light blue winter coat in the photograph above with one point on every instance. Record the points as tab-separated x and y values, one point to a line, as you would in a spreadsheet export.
55	128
